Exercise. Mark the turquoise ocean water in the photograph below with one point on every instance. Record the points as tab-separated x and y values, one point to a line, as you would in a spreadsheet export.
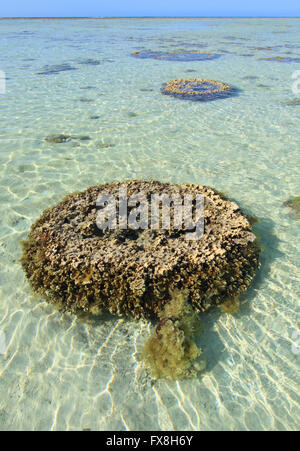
59	373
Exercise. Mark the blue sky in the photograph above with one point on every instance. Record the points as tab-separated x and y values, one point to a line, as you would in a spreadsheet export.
73	8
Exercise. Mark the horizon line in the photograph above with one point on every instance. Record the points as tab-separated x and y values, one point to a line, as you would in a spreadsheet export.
150	17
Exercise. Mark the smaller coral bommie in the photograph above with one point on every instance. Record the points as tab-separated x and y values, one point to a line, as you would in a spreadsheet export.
282	59
294	204
197	89
176	55
171	352
58	139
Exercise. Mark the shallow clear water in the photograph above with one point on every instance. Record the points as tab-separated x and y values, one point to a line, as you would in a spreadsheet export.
59	373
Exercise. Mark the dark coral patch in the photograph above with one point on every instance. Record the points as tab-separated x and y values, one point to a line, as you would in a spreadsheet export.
250	77
85	100
87	87
78	267
90	62
171	351
294	204
58	139
177	55
198	89
294	102
283	59
48	70
105	145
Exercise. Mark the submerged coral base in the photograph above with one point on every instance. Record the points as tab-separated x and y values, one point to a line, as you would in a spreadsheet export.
294	204
171	352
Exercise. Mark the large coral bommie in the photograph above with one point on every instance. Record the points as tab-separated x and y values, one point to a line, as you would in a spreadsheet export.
77	266
176	55
171	352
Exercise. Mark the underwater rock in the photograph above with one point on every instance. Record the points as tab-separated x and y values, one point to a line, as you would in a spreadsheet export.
105	145
282	59
176	55
90	62
198	89
79	267
85	100
48	70
250	77
294	102
252	219
57	139
170	351
294	204
82	137
87	87
235	38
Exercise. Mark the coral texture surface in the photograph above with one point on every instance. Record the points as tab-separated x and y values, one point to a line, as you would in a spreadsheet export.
176	55
77	266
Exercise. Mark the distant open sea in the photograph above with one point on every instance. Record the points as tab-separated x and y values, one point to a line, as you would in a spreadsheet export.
78	78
